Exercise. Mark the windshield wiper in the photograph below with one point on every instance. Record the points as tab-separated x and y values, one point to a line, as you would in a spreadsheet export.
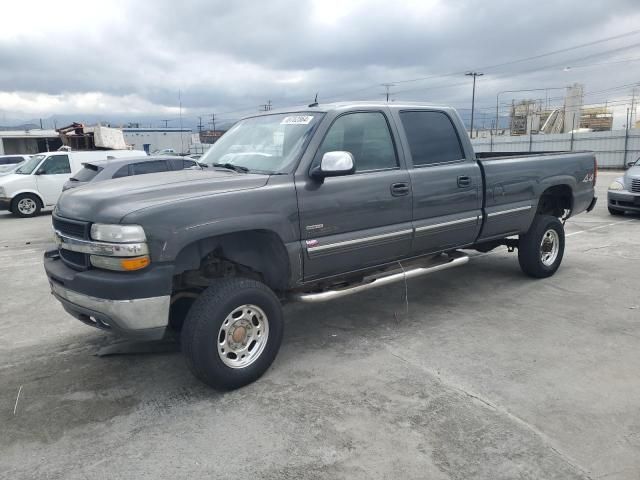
231	166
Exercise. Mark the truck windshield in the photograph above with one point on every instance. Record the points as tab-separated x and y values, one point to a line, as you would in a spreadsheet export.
265	144
30	165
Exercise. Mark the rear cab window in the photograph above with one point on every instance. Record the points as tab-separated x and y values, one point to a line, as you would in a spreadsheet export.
432	137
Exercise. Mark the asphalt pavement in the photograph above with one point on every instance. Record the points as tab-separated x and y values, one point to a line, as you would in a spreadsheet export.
479	373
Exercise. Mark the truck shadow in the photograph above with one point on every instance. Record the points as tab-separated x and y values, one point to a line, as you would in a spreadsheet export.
69	386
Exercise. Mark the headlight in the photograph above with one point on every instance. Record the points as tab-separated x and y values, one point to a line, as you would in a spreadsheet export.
117	233
616	185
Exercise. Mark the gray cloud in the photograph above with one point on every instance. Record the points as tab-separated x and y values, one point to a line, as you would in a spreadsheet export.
231	56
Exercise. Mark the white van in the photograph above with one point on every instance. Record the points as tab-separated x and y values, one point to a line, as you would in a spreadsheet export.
37	184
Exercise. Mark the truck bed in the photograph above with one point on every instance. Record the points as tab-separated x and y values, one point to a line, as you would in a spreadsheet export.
514	183
498	155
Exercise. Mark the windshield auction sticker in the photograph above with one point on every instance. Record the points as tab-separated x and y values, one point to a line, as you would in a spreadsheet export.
297	120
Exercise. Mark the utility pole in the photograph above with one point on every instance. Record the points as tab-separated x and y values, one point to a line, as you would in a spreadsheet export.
387	86
213	122
166	122
181	132
633	104
265	107
199	124
473	96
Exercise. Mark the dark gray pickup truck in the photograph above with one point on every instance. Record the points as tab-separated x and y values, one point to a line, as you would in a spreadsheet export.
306	204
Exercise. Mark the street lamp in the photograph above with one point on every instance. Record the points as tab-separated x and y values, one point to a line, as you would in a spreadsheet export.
473	96
515	91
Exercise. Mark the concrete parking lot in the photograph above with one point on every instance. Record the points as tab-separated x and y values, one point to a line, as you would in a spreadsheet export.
482	374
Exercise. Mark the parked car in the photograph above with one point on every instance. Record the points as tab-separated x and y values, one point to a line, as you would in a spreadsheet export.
164	151
8	163
624	192
124	167
301	205
38	182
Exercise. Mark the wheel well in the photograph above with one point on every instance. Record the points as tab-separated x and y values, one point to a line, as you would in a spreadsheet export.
13	200
258	254
556	201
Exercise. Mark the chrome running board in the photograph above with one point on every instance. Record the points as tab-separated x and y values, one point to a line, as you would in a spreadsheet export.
442	262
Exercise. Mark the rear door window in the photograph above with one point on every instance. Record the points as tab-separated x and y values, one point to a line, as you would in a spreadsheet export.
432	137
122	172
188	164
143	168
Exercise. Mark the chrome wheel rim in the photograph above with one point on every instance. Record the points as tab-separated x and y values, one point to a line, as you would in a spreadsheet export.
549	247
243	336
26	206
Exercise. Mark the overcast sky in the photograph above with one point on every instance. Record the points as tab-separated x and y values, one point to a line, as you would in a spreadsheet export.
131	59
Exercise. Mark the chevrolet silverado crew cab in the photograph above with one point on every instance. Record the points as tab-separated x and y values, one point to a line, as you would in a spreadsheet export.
305	204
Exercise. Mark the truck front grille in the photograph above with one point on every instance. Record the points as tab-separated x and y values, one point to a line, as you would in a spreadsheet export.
76	229
635	185
72	228
76	260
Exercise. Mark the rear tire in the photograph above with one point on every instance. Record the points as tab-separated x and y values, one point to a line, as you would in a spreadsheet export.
541	249
232	333
615	212
26	205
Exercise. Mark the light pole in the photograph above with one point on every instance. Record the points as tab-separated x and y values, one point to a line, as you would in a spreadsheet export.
387	86
515	91
473	96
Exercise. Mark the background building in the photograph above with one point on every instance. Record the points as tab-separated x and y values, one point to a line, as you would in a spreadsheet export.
28	141
180	140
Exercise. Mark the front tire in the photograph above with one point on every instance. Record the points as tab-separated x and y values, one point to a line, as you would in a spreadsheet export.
541	249
615	212
232	333
26	205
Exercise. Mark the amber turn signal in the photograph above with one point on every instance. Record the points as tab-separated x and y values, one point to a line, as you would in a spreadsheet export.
136	263
128	264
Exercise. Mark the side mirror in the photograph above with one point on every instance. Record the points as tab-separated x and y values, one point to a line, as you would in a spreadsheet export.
39	172
334	164
630	164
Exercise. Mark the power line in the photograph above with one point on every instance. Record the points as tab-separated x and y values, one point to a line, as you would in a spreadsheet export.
267	106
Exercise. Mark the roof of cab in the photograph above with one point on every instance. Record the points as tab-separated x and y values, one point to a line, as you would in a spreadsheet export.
327	107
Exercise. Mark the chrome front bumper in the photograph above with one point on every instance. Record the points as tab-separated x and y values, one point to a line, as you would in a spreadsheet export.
142	317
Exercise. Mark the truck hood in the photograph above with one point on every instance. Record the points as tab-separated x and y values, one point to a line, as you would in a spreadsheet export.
110	201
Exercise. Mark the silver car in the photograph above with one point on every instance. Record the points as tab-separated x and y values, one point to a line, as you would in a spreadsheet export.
124	167
624	192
